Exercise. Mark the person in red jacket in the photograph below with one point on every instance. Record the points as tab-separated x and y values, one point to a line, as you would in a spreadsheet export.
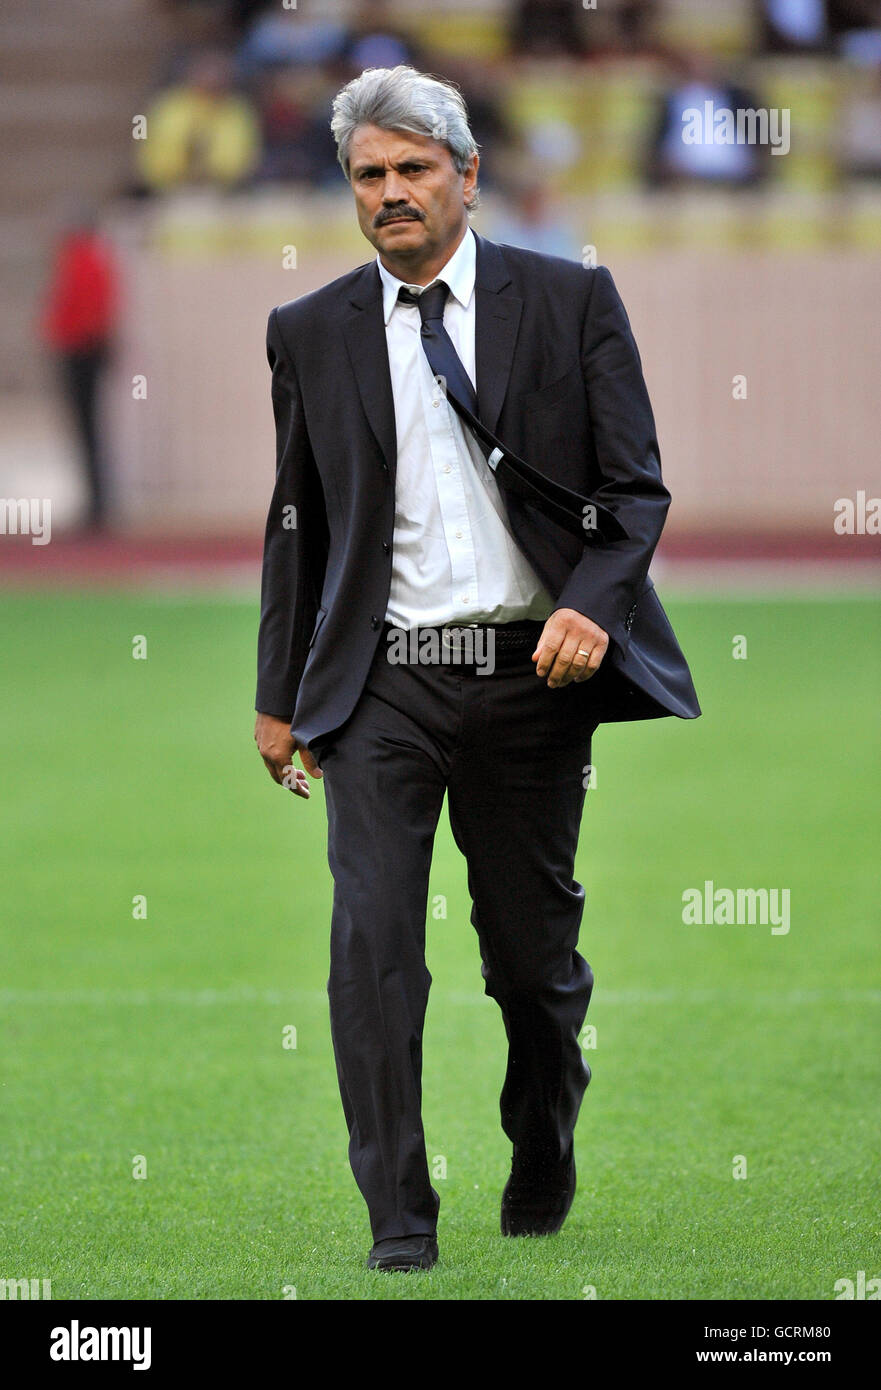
78	325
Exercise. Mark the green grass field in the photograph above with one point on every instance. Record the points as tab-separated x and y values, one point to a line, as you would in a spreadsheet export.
163	1037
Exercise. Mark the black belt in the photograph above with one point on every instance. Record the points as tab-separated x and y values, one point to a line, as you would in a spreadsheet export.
469	647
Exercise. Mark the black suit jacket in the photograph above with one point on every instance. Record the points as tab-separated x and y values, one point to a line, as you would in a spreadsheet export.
559	380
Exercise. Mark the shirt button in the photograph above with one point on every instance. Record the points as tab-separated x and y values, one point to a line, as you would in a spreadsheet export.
447	468
458	535
435	404
466	598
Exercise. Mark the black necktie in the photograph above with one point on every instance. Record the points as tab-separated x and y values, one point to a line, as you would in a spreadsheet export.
583	517
442	356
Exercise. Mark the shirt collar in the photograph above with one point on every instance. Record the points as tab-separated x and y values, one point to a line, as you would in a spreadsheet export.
458	274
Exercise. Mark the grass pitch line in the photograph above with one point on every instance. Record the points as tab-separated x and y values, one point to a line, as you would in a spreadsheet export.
219	998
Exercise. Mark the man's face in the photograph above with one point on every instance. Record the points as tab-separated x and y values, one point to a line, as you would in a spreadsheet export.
410	199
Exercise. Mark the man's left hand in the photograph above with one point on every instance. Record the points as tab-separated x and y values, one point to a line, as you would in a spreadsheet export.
570	648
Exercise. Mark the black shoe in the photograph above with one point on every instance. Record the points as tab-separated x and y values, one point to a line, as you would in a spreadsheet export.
538	1195
403	1252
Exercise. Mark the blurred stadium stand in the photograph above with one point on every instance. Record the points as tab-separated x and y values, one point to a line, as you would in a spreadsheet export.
73	76
779	280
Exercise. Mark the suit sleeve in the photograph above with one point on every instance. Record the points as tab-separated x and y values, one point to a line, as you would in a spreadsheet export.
604	585
295	544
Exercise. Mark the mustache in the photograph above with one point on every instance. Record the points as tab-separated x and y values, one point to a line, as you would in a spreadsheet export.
391	214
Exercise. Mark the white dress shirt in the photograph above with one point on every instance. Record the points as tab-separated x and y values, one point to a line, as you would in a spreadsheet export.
454	558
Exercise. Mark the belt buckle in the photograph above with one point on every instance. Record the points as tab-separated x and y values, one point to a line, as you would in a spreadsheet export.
456	628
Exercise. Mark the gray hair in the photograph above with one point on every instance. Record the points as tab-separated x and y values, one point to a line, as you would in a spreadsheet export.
403	99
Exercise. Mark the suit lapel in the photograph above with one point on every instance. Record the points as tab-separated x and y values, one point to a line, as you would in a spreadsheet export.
368	352
497	320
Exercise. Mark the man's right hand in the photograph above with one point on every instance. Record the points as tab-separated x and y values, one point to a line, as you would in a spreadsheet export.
277	747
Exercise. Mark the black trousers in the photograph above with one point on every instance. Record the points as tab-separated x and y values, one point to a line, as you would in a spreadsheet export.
80	377
512	755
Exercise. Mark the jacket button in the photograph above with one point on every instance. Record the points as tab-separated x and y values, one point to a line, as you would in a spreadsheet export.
386	547
374	623
385	467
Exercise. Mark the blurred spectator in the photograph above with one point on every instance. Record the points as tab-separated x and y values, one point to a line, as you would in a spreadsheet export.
200	131
635	25
217	15
242	13
856	30
295	113
547	29
852	16
817	26
482	88
675	156
78	325
294	64
377	41
288	38
558	28
793	26
530	220
860	148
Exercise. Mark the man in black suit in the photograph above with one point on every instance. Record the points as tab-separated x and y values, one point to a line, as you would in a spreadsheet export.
516	524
